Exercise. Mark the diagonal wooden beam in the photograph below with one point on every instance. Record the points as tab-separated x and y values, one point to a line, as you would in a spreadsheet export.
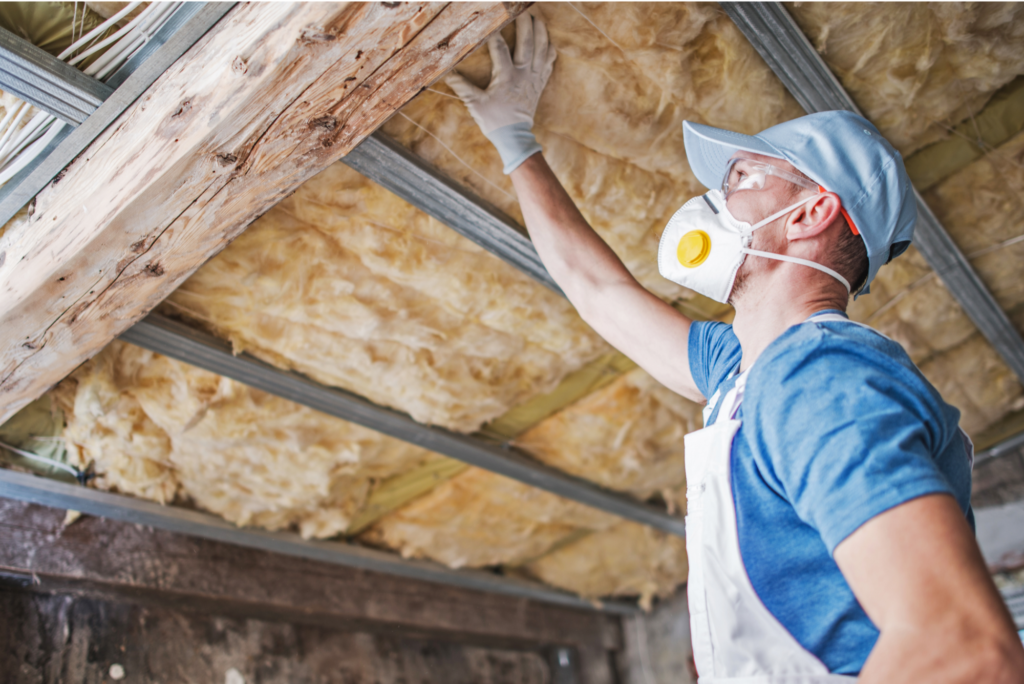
187	25
271	95
785	48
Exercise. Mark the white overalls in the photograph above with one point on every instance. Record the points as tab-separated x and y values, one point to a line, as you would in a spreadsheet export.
735	638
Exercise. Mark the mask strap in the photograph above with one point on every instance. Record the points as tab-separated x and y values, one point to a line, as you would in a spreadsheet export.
783	212
804	262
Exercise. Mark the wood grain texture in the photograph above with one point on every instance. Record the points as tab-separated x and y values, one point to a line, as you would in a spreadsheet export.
59	638
270	96
120	560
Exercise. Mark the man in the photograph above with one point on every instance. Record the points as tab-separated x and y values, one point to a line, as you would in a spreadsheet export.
828	498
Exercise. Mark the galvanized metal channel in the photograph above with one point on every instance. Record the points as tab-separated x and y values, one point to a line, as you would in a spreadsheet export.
46	492
41	79
89	104
392	166
191	346
788	52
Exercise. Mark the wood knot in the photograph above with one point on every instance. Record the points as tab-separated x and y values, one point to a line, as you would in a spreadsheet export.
226	159
315	34
239	65
326	123
154	269
184	108
139	246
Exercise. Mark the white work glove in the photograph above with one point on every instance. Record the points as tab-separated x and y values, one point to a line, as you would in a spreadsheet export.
505	110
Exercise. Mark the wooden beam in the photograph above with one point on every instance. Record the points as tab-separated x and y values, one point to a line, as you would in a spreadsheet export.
178	519
187	25
270	96
127	561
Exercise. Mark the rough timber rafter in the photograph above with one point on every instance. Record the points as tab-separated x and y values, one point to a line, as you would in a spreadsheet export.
270	96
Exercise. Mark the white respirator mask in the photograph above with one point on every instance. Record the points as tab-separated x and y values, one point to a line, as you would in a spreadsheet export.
703	246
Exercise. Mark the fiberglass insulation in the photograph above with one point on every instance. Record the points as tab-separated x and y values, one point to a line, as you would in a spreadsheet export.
983	209
626	560
350	285
479	518
353	287
917	69
161	429
627	436
610	119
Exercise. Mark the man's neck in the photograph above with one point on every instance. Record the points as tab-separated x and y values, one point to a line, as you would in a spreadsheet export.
764	313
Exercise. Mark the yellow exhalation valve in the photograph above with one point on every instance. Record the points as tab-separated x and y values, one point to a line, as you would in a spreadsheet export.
693	249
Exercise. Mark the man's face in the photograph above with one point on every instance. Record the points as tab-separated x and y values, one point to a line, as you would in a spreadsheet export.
752	206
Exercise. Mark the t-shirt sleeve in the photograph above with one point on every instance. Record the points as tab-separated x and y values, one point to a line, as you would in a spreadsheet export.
843	433
714	352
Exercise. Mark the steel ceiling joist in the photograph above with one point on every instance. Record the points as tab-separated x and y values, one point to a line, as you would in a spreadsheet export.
788	52
1007	446
179	341
392	166
42	80
47	492
56	80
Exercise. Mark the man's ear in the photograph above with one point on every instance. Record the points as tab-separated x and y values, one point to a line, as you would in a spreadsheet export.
811	219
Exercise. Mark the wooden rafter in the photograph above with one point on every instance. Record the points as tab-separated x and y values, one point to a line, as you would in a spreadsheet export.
270	96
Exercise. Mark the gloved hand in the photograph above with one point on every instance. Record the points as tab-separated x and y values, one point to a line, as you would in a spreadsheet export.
505	110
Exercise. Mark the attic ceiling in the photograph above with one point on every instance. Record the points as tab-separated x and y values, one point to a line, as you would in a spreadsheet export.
355	288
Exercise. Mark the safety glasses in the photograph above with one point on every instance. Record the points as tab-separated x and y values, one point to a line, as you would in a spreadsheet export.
747	174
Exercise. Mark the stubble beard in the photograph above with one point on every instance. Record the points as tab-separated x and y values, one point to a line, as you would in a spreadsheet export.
765	240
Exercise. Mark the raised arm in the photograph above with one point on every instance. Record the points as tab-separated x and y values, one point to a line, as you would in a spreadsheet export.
608	298
920	577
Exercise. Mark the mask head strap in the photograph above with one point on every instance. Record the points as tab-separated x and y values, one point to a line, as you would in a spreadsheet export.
797	260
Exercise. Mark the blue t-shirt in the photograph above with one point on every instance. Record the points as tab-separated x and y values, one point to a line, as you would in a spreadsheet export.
838	426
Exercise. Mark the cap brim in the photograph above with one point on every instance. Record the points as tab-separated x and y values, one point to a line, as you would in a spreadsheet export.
708	149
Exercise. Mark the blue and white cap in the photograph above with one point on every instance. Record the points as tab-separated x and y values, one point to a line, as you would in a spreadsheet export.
840	151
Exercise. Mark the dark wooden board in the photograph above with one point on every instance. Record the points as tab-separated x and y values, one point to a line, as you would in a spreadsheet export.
112	558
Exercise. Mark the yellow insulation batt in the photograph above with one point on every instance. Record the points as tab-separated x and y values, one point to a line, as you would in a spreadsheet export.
917	69
610	119
627	560
626	436
162	430
479	518
983	209
355	288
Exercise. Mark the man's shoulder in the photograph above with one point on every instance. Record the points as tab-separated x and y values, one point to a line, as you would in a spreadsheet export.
714	351
837	348
845	365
